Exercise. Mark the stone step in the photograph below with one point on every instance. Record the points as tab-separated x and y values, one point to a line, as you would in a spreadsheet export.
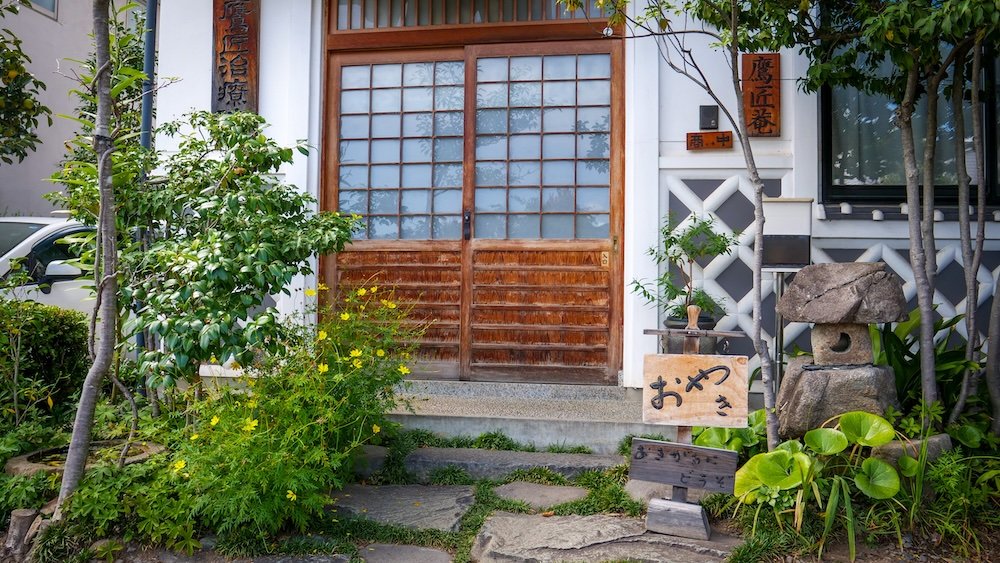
540	414
496	464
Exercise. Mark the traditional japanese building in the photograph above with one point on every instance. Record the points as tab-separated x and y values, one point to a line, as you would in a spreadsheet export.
513	162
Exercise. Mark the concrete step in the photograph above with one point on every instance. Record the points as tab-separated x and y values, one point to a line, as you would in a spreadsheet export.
541	414
496	464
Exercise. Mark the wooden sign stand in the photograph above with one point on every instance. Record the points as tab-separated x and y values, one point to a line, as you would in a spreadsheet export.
677	516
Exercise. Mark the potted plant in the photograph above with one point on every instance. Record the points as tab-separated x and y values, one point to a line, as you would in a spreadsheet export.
683	243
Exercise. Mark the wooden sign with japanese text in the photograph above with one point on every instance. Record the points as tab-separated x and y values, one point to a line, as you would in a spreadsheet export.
235	56
695	390
707	140
762	94
695	467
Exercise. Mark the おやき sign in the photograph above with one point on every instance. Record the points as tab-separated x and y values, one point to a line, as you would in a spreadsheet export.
695	390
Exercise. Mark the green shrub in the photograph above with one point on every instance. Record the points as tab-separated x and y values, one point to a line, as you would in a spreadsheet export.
267	457
48	347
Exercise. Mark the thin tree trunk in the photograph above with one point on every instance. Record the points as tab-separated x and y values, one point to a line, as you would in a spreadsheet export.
918	257
965	233
760	346
107	289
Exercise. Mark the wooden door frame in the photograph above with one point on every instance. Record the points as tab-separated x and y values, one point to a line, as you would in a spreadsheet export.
466	43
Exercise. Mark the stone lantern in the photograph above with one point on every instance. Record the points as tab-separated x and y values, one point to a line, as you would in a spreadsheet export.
841	300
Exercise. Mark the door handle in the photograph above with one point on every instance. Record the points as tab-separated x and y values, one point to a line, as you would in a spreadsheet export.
467	224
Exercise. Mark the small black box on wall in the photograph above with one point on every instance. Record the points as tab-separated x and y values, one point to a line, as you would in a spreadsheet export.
708	117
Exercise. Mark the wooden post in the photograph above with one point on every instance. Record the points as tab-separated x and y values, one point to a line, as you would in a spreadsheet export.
692	345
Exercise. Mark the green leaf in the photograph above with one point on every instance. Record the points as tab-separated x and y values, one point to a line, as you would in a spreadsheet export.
714	438
866	429
877	479
908	466
826	441
968	435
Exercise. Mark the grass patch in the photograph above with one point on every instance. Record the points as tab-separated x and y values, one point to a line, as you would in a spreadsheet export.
606	495
539	475
625	446
450	475
567	449
487	502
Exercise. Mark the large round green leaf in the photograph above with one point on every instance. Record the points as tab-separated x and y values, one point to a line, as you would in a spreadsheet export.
826	441
713	438
791	446
783	469
908	466
748	480
877	479
866	428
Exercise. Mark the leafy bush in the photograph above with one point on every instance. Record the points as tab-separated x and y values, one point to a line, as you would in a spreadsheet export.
822	470
748	441
267	457
47	349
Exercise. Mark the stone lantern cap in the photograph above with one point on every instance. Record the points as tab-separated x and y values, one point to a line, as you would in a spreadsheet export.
855	292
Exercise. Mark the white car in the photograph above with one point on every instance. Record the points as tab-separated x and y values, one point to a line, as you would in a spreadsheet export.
38	242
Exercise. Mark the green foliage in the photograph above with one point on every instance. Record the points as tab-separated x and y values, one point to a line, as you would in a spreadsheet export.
785	479
899	348
267	457
683	243
140	502
500	441
43	359
28	436
606	493
625	446
20	110
748	441
25	492
62	543
540	475
450	475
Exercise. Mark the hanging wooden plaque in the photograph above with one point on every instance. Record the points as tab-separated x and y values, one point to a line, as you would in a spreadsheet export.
762	94
236	40
695	390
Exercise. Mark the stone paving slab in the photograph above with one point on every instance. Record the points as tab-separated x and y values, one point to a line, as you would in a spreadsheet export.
411	506
494	464
394	553
517	537
540	496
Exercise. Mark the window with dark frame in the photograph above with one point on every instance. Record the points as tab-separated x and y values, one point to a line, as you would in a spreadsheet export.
861	152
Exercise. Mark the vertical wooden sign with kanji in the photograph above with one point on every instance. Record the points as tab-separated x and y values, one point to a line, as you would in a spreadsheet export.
762	94
236	34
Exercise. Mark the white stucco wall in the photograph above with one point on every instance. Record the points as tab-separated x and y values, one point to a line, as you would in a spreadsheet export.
49	41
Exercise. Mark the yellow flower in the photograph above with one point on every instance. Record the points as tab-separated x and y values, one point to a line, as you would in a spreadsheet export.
213	360
323	368
374	288
310	292
250	425
362	292
355	353
215	420
322	335
236	365
252	403
357	362
380	352
322	287
179	464
194	436
251	382
403	369
345	316
290	495
388	304
376	428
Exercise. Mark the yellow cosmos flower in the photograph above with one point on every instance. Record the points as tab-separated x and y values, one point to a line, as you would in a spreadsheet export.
250	425
323	368
195	436
322	335
403	369
251	382
362	292
374	289
215	420
310	292
322	287
357	362
345	316
380	352
213	360
376	428
179	464
290	495
388	304
355	353
252	403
